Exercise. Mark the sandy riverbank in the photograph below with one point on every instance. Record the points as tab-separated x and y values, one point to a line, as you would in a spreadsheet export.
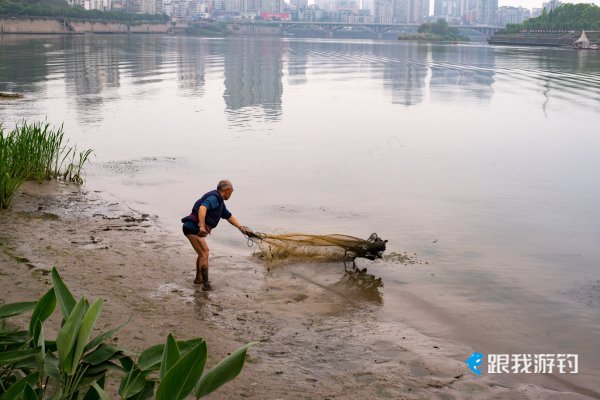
318	328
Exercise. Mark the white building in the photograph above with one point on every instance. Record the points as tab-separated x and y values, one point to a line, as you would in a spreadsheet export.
512	15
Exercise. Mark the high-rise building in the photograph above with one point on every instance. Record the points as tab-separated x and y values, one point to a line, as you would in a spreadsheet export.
384	11
552	5
512	15
486	11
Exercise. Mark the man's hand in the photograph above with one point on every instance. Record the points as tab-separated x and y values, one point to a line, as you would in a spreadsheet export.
203	232
244	229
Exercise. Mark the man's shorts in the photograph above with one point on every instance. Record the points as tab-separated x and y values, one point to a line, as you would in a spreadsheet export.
191	228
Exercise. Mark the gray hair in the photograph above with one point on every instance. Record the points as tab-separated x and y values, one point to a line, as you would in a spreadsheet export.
224	185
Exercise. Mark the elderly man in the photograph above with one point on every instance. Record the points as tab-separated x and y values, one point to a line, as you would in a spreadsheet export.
205	216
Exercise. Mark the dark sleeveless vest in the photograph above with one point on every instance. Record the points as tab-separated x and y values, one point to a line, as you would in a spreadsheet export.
213	216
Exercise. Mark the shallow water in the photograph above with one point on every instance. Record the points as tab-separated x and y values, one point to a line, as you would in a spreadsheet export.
481	160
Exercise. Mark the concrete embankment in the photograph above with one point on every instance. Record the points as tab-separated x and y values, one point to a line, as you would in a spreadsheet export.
555	40
32	25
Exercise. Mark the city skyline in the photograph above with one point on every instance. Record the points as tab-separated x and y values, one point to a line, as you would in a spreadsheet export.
511	3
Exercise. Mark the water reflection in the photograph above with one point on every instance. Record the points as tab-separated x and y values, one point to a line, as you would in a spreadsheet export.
462	72
404	72
92	68
253	79
23	64
192	57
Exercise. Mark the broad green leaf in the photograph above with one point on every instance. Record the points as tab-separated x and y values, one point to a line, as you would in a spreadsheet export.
29	393
43	309
127	363
51	366
15	391
102	337
63	295
170	355
38	335
223	372
151	358
66	340
12	357
13	337
101	393
132	383
12	309
102	368
147	393
92	394
104	352
87	324
180	379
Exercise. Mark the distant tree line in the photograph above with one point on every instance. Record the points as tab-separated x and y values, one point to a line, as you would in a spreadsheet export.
441	30
567	16
60	9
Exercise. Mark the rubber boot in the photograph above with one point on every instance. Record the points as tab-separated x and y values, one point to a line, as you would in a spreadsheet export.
205	284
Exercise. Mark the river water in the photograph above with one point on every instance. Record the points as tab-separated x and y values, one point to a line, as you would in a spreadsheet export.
480	162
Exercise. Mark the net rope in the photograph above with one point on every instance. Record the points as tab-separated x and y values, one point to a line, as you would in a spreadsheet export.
300	246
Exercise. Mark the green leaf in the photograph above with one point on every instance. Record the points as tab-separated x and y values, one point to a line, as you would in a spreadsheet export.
92	394
132	383
43	309
170	355
12	337
151	358
63	295
223	372
15	391
12	309
147	393
51	366
87	324
66	340
102	337
103	353
29	393
127	363
11	357
101	393
180	379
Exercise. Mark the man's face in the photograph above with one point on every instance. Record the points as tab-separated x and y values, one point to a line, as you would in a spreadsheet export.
227	193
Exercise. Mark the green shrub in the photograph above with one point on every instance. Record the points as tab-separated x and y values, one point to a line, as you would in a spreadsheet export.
74	365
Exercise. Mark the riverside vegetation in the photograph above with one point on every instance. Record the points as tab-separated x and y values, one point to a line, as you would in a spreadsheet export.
61	9
74	366
567	16
35	151
435	32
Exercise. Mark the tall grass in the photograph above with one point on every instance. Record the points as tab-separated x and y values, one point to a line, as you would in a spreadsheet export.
35	151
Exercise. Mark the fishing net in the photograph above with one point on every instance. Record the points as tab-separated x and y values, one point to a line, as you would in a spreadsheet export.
300	247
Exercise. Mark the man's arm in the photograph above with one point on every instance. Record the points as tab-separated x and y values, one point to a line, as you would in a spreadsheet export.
201	220
233	221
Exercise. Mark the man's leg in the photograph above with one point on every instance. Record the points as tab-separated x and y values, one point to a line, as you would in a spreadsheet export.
201	247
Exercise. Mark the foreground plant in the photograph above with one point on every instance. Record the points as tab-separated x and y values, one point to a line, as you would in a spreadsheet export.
35	151
74	366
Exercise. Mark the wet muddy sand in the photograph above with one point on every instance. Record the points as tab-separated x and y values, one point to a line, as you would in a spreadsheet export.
317	327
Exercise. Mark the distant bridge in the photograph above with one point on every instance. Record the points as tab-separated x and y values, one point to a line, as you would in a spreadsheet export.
379	29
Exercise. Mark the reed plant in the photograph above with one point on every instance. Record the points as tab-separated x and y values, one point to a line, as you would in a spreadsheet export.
36	151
